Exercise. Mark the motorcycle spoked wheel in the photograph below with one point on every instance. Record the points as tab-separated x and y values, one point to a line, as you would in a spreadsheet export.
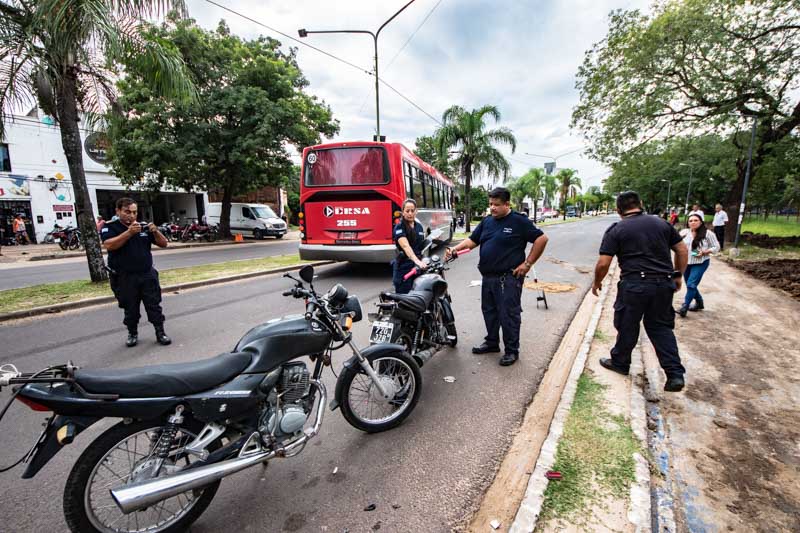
362	404
63	243
75	242
110	460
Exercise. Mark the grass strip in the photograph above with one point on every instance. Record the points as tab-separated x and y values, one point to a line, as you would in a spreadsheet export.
72	291
594	456
748	252
773	226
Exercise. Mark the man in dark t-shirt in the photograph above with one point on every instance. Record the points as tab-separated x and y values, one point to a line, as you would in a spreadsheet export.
133	279
503	238
648	280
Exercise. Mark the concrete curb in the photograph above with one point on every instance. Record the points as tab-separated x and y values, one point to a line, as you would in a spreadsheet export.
531	506
172	246
89	302
639	511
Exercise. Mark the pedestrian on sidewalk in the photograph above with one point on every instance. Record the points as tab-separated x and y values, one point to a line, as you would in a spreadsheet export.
503	237
133	279
720	219
20	231
648	280
696	210
701	244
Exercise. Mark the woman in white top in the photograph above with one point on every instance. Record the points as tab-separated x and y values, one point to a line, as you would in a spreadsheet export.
701	244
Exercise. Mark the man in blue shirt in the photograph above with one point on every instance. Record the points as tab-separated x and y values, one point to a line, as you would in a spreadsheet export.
134	280
503	238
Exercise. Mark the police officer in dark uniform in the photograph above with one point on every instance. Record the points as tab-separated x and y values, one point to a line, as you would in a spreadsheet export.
648	280
503	238
133	278
409	237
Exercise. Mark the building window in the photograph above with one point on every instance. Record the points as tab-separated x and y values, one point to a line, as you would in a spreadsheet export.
5	159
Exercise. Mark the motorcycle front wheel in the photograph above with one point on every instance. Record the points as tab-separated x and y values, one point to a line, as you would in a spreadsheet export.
63	243
362	403
118	457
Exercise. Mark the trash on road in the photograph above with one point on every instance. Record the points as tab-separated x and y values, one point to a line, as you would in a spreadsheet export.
552	474
370	507
449	379
495	524
335	470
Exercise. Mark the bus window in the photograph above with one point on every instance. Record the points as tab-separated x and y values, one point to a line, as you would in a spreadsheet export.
408	171
419	195
430	198
346	166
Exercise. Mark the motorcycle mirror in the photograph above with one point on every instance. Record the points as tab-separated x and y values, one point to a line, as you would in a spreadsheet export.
307	273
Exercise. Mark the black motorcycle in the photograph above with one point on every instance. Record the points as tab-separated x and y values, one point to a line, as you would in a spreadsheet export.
186	426
422	321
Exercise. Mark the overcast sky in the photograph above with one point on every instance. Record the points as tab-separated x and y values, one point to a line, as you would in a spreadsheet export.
521	56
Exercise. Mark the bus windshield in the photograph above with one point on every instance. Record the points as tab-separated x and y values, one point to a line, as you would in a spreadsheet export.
346	166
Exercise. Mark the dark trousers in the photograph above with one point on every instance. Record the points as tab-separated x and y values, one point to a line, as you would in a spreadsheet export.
502	308
133	289
719	231
400	269
651	300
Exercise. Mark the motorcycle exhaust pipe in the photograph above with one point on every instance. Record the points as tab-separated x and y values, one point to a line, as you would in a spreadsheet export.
423	356
138	496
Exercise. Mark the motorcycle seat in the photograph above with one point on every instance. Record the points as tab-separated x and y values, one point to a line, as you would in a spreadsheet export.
416	301
158	381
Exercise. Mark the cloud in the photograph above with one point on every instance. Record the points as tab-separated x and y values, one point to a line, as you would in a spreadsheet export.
521	56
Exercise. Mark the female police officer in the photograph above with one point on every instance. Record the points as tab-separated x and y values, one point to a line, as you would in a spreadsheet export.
409	237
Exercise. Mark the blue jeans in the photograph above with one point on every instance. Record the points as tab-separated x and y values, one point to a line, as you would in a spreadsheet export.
693	274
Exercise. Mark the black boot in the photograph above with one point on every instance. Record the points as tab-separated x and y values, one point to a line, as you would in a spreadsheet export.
683	310
161	337
698	306
133	338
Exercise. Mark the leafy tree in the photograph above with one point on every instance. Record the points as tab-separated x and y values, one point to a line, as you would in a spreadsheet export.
479	200
57	53
570	184
251	104
550	189
426	149
693	66
465	132
292	186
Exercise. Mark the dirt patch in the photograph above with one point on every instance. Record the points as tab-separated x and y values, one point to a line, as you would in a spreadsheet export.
765	241
735	430
550	287
779	273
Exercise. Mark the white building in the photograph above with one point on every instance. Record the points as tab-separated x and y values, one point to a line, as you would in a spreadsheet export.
35	180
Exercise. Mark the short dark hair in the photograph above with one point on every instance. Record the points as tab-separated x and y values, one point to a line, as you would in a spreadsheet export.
125	202
500	193
628	200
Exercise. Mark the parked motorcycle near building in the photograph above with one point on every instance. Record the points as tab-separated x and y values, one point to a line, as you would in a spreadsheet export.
186	426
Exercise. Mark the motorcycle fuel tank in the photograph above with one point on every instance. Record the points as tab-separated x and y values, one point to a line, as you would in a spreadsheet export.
431	283
281	340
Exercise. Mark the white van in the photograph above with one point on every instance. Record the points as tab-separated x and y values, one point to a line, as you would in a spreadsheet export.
259	220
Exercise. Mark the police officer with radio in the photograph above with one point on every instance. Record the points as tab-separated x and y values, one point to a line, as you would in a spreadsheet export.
649	278
133	279
503	238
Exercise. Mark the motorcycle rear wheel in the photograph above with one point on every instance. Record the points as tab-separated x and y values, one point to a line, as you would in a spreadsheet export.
362	405
63	243
119	452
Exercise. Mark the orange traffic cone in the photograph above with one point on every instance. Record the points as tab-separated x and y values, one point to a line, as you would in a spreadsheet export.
238	237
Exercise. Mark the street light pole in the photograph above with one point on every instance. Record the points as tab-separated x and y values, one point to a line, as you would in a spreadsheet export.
669	192
304	33
688	189
746	182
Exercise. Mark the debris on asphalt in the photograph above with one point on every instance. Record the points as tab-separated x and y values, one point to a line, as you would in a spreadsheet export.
449	379
377	526
370	507
495	524
720	423
552	474
396	506
334	471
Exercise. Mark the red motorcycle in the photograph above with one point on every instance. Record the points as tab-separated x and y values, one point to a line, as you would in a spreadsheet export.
196	232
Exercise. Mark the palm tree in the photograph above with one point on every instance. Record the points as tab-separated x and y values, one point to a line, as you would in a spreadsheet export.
570	185
55	53
465	132
529	185
550	189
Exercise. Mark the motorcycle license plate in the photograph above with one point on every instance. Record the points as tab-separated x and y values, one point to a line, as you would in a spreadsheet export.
381	332
56	240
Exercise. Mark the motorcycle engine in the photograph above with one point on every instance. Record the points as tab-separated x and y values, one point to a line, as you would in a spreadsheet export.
288	416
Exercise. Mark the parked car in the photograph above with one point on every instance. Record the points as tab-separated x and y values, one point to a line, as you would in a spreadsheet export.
572	212
258	220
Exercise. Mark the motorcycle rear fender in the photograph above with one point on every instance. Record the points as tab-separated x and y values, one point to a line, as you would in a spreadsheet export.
352	365
447	311
48	444
63	399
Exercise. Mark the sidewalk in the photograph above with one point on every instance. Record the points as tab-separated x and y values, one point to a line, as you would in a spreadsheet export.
723	455
44	252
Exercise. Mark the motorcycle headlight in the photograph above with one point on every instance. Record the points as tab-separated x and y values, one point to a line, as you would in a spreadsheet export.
337	295
352	305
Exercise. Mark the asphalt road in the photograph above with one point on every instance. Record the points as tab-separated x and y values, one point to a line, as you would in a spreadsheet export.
425	475
55	270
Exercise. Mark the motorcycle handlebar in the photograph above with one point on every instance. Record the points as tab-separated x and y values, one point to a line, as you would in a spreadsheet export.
411	272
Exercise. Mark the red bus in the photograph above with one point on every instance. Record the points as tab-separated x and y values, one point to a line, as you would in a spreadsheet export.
350	198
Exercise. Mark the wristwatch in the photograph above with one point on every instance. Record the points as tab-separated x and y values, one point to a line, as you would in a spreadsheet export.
528	264
676	274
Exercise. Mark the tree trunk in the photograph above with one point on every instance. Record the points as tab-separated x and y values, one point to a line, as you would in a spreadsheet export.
67	108
535	209
466	171
225	213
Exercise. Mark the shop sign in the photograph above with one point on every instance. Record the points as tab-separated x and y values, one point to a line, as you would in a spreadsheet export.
62	208
14	187
96	145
